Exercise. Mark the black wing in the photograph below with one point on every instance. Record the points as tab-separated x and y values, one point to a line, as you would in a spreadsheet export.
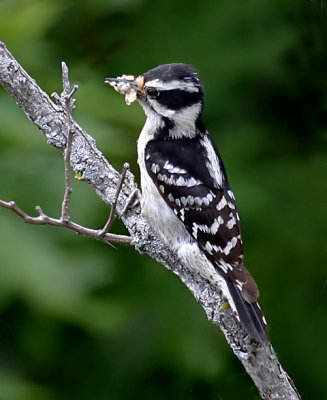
207	207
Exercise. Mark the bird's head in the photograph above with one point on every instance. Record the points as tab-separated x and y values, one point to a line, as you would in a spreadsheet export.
172	91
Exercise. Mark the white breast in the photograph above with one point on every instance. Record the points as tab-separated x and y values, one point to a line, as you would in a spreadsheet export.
154	208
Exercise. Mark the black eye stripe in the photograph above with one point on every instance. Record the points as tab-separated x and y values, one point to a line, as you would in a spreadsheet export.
176	99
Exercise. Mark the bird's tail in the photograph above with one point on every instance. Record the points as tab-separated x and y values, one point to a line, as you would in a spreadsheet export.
249	314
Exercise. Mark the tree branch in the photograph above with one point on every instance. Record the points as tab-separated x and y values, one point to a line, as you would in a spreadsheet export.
259	360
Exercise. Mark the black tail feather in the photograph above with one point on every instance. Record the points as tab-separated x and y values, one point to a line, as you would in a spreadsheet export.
250	314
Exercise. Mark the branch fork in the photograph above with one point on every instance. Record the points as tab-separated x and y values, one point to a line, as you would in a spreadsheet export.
67	104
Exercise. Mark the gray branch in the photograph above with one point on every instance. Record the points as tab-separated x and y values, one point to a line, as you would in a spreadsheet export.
259	360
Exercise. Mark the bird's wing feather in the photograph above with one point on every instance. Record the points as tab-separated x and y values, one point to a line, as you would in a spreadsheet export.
207	209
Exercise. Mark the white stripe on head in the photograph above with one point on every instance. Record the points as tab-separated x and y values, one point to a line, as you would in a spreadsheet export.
172	85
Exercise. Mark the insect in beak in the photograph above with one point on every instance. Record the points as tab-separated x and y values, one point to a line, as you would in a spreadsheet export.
127	85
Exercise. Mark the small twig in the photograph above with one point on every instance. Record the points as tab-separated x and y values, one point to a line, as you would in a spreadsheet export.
41	213
112	214
66	102
43	219
68	188
68	105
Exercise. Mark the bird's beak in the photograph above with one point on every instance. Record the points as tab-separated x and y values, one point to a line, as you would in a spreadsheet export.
128	85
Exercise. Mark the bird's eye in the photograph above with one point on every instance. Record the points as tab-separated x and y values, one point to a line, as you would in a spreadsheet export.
152	92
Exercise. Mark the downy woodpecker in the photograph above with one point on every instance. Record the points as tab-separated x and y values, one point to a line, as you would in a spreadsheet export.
186	196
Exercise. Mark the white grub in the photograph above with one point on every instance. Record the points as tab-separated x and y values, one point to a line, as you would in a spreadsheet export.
130	97
123	86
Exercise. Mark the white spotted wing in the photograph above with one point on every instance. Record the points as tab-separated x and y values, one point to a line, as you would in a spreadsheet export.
206	206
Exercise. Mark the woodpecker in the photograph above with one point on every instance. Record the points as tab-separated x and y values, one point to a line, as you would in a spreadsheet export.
186	196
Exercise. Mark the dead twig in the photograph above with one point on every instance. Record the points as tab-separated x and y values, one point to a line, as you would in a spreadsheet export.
112	214
68	104
43	219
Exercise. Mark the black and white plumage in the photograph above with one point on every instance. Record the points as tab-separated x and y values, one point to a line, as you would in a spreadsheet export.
186	196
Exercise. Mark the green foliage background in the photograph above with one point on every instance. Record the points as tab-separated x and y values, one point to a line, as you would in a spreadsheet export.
81	320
